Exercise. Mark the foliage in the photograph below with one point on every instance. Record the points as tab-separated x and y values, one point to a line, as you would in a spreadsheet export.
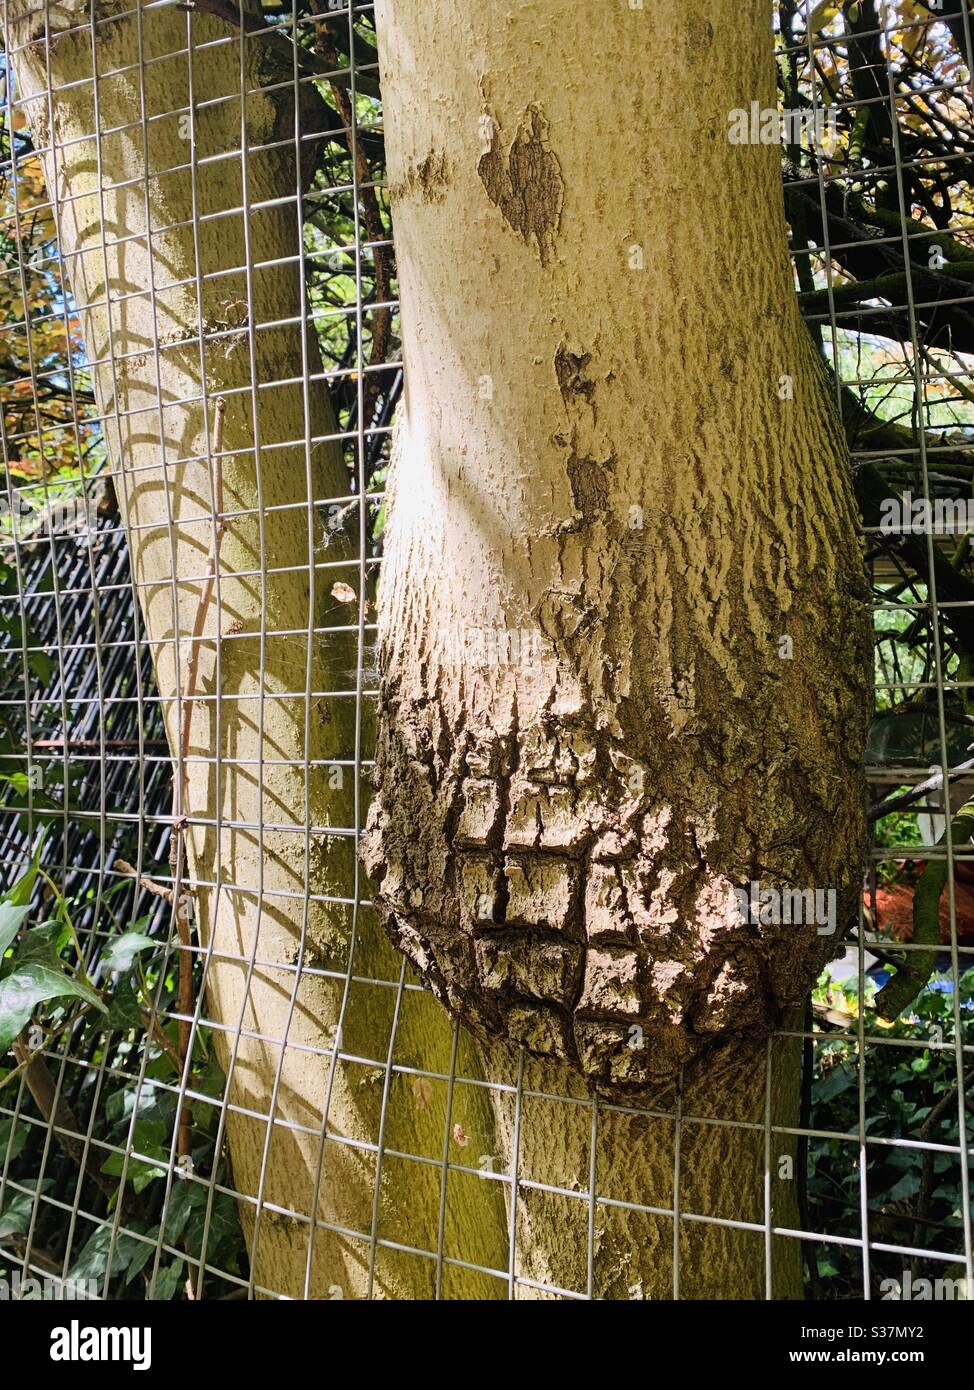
111	1007
910	1093
51	440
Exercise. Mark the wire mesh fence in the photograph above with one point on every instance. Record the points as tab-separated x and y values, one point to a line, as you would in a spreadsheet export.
219	1080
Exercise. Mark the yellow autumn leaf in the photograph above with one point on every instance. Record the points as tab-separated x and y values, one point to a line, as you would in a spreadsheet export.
28	468
822	15
917	16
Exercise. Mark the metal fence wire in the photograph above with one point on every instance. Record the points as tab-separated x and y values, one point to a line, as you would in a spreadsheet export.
198	297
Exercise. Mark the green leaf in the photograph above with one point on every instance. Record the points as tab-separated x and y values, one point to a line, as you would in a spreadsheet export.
224	1230
123	1008
167	1282
93	1259
19	892
156	1109
836	1080
13	1146
13	625
184	1199
30	985
11	917
908	1186
901	1158
41	665
16	1213
138	1172
210	1079
43	945
145	1252
122	950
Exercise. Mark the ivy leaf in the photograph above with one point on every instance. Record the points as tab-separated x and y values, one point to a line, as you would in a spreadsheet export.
836	1080
30	985
167	1282
16	1214
123	1008
92	1261
19	893
12	1145
43	946
122	950
184	1198
42	665
138	1171
908	1186
154	1110
210	1079
146	1250
902	1158
11	917
224	1229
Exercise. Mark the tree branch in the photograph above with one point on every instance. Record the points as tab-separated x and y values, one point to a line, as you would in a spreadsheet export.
275	38
60	1118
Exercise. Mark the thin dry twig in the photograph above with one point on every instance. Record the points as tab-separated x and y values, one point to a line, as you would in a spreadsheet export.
149	884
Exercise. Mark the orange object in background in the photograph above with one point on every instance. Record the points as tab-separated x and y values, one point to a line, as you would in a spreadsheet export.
894	908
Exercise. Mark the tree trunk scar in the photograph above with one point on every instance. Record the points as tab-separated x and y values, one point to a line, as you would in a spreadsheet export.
428	179
570	371
526	184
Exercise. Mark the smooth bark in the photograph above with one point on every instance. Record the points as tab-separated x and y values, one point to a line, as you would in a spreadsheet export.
186	301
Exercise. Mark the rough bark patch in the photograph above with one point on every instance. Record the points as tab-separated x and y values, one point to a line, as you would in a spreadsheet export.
526	185
427	180
555	900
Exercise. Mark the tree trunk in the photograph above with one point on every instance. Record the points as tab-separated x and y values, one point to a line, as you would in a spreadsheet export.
185	303
622	630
